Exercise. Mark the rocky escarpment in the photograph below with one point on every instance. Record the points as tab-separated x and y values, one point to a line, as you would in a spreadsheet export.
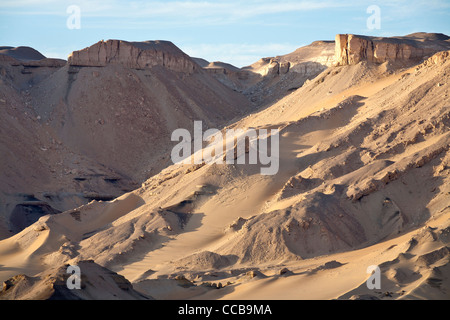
135	55
351	49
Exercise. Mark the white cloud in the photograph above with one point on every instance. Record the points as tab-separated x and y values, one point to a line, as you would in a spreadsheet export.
227	9
187	9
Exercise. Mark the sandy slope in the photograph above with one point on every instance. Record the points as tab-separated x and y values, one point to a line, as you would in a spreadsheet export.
363	180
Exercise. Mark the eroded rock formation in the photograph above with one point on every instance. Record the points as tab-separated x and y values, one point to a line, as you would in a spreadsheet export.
135	55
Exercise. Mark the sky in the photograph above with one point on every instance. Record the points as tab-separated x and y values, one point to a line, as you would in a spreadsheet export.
239	32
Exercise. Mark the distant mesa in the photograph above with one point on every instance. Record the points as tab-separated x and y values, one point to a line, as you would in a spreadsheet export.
222	65
22	53
201	62
28	57
216	66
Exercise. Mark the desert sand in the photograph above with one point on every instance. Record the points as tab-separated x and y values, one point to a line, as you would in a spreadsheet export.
364	177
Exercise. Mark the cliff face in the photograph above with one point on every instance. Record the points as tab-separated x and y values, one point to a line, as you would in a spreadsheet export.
135	55
351	49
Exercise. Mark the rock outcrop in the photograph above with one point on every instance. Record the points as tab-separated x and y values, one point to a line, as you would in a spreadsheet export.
351	49
135	55
271	67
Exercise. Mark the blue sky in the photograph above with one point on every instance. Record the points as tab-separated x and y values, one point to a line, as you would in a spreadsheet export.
235	31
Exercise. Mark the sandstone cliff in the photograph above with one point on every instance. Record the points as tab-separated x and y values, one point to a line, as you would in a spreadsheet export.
135	55
351	49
